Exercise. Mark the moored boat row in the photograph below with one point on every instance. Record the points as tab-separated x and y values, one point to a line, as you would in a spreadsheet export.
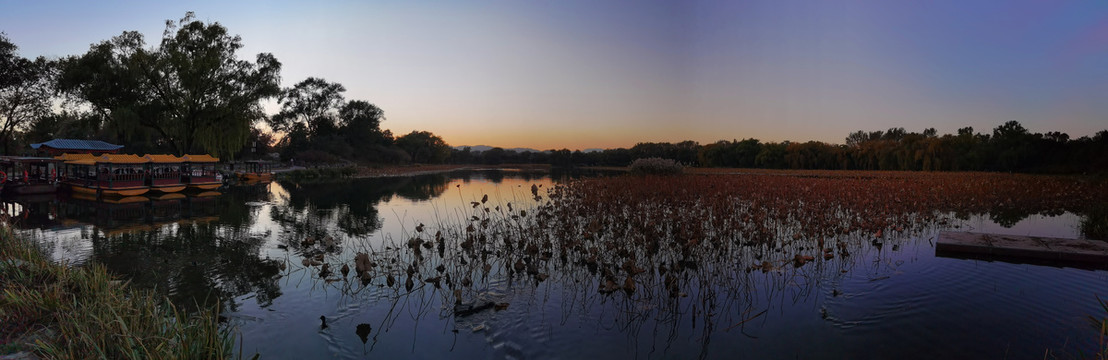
130	175
118	175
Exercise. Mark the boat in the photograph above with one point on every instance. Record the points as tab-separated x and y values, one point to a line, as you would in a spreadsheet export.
201	173
164	173
22	175
107	175
255	171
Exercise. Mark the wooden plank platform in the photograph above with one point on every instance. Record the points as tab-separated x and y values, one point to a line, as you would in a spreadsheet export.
1013	247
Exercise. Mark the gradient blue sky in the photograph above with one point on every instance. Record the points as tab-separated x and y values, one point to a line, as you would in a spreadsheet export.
597	74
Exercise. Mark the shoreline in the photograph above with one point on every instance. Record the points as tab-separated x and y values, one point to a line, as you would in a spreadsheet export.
363	171
378	171
415	170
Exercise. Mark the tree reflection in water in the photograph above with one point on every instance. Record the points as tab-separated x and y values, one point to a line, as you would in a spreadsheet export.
193	264
207	256
205	262
611	261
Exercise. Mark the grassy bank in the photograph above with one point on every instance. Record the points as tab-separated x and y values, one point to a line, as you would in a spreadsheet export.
60	312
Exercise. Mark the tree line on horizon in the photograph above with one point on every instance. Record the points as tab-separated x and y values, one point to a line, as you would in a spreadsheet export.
1010	147
193	94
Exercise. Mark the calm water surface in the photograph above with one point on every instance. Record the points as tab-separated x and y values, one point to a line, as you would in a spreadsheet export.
245	248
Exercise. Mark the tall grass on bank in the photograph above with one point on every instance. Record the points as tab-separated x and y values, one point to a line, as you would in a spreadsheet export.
655	166
1100	323
86	314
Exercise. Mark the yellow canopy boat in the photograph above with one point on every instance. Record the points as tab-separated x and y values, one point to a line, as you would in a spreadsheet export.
254	171
109	174
201	172
165	173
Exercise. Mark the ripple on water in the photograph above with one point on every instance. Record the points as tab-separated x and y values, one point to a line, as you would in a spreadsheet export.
935	304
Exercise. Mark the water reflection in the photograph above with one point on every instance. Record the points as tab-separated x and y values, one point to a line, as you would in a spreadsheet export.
208	247
273	256
1094	225
195	264
351	207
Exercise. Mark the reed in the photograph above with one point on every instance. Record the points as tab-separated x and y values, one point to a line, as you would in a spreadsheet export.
655	166
1100	324
84	313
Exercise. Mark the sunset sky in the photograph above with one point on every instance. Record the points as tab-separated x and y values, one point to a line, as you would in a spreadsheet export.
601	74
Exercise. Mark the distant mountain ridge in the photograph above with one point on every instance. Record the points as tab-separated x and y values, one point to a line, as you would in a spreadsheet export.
482	148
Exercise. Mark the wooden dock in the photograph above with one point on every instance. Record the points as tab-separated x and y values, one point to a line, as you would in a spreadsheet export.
1014	248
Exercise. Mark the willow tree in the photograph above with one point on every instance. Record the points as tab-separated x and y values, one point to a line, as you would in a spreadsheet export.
192	90
25	91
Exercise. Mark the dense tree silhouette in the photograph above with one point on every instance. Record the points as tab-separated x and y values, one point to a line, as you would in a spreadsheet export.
191	90
424	147
26	87
1009	147
313	102
321	126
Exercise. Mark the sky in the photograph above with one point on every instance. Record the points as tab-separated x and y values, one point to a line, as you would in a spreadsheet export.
584	74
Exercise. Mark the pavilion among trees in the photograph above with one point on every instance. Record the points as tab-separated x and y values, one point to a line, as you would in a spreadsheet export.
57	147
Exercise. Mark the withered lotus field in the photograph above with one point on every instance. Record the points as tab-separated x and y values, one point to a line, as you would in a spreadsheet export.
671	241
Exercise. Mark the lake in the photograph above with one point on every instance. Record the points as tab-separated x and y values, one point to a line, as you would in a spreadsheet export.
260	251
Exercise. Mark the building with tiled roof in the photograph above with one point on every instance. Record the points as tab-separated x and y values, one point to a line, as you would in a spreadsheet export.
72	146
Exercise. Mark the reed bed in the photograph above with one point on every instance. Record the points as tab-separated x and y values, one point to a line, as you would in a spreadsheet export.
84	313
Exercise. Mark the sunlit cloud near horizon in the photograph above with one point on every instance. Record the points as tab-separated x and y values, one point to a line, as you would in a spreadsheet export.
603	74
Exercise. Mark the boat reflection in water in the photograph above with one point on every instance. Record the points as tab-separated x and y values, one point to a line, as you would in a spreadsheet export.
110	214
